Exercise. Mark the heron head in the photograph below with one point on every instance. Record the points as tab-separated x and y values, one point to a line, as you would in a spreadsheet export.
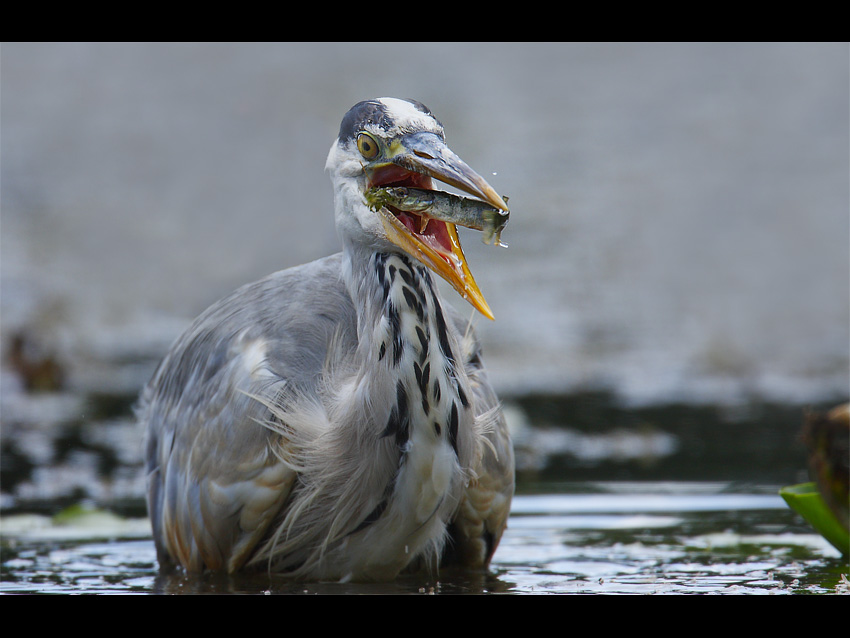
392	142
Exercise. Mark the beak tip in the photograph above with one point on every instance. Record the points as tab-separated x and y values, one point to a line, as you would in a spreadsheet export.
479	303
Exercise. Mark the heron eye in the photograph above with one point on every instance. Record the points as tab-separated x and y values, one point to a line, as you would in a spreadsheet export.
367	146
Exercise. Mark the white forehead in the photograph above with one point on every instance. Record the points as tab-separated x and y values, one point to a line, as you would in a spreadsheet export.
406	117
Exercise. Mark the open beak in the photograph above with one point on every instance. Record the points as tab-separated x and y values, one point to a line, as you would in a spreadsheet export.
414	160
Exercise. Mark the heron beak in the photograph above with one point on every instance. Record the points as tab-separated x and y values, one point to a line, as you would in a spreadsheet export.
415	159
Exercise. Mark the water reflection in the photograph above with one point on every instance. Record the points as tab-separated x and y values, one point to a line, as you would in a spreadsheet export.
446	583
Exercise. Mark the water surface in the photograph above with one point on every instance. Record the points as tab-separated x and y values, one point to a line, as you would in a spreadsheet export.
618	538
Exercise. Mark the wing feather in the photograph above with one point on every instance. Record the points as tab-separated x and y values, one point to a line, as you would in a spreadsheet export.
215	484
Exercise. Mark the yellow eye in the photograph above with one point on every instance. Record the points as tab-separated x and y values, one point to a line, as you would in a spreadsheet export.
367	146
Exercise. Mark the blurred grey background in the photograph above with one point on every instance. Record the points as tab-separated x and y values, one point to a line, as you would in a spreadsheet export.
679	226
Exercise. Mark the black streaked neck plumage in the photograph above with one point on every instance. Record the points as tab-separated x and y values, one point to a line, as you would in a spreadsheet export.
402	325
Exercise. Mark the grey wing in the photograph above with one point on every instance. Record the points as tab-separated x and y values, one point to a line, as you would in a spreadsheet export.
214	482
482	517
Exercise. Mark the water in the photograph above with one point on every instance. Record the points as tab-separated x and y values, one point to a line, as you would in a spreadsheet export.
614	538
666	539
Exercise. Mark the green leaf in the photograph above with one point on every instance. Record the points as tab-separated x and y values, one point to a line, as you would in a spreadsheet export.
807	502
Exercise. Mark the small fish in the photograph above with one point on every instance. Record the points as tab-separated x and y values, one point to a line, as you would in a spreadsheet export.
464	211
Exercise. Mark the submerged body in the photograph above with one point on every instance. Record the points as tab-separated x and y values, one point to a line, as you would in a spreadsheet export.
333	420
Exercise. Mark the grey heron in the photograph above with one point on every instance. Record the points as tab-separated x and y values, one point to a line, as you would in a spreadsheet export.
334	420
